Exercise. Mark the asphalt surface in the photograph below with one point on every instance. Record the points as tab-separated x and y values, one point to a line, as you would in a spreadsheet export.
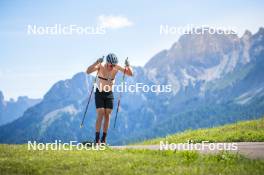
252	150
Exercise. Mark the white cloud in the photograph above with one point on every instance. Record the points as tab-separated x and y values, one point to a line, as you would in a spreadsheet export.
114	22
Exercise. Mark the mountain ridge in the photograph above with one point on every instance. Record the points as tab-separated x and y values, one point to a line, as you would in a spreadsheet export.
12	109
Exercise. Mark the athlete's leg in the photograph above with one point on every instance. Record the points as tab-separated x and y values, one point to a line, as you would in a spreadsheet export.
100	115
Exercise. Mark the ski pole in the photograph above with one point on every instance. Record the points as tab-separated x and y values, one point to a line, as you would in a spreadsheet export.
89	99
118	103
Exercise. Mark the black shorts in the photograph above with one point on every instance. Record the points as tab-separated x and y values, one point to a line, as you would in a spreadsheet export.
104	99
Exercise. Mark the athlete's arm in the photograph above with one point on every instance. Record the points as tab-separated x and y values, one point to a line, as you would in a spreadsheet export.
93	67
129	70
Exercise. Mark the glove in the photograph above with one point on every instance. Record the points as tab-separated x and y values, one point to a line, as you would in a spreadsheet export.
100	60
127	63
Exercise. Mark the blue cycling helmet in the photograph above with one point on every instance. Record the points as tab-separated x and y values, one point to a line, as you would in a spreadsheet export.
112	59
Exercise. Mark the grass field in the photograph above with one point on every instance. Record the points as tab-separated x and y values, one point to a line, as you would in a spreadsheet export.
17	159
245	131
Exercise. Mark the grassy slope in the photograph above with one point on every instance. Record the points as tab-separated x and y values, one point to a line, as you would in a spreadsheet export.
16	159
246	131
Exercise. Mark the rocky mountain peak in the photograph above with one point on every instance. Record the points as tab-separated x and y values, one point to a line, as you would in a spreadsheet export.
197	46
261	31
247	34
1	97
202	50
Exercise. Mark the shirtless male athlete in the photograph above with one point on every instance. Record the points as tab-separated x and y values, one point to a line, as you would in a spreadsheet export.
104	96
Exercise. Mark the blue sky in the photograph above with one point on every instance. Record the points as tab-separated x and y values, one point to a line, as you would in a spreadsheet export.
31	64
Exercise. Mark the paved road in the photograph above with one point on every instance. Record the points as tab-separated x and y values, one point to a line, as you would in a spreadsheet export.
253	150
